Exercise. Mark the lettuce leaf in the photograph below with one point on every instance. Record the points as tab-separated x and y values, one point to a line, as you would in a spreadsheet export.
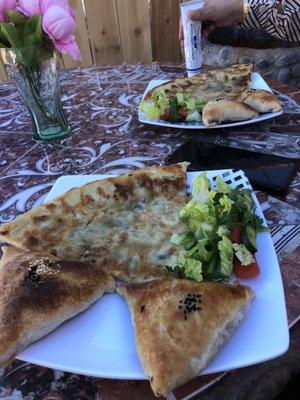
243	254
194	116
226	255
226	204
192	267
222	186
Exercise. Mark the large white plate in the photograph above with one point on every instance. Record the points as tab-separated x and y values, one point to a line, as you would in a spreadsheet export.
100	341
257	83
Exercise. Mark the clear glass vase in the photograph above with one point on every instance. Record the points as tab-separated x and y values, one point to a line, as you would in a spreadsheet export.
34	70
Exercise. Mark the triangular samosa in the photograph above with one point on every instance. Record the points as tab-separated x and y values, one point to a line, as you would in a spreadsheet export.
181	324
39	293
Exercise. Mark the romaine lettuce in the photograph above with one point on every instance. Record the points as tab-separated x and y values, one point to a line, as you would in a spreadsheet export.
243	254
226	255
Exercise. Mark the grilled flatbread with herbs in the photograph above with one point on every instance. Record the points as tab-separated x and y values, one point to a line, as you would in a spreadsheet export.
261	100
223	111
37	294
180	326
122	224
216	83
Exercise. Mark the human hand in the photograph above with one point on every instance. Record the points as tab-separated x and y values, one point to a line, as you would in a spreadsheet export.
216	13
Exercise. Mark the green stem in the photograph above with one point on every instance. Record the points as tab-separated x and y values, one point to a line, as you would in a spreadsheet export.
29	79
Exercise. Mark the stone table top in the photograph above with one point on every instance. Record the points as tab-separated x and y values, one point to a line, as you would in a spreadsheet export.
107	137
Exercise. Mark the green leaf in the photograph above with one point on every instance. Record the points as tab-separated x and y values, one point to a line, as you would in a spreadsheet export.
226	256
11	34
32	32
177	271
15	17
174	107
3	46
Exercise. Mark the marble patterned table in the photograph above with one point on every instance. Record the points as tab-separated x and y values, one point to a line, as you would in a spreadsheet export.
106	137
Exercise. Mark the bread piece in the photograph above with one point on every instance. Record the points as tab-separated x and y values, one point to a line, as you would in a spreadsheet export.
261	100
181	324
38	293
223	111
122	224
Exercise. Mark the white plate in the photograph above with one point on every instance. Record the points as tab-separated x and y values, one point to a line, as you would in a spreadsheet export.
258	82
100	341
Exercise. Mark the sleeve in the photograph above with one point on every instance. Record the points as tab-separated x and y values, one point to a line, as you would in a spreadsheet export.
280	19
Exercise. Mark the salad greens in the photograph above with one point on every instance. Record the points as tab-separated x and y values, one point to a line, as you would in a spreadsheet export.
208	248
174	109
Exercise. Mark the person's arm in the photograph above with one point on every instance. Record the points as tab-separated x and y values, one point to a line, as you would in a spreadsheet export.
279	20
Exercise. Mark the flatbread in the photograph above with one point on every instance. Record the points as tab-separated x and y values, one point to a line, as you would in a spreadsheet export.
181	324
214	84
261	100
121	224
223	111
39	293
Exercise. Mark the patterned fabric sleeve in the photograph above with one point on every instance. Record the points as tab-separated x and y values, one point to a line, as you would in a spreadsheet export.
280	19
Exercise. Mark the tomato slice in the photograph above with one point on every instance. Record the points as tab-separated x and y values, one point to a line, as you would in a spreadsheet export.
166	115
236	234
245	271
182	113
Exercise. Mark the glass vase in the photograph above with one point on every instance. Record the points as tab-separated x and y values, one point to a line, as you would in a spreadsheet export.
34	70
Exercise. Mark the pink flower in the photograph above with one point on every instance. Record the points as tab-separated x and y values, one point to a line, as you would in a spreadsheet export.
59	25
58	21
4	6
61	3
29	7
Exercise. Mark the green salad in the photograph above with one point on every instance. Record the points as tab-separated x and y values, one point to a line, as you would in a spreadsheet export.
177	108
220	235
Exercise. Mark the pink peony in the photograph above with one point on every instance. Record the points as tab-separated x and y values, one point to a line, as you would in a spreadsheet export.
6	5
61	3
59	25
29	7
58	21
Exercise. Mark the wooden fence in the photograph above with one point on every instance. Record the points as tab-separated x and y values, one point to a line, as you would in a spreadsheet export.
116	31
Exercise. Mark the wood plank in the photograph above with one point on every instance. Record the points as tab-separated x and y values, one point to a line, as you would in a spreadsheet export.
102	22
82	38
135	31
165	16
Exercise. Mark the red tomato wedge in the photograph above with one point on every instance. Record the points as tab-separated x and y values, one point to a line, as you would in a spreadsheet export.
245	271
182	113
236	234
166	115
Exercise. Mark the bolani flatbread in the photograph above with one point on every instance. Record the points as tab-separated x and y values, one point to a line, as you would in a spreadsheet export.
181	324
261	100
214	84
121	224
37	294
223	111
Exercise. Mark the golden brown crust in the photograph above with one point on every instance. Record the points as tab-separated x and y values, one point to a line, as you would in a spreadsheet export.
121	224
173	343
38	293
261	100
222	111
213	84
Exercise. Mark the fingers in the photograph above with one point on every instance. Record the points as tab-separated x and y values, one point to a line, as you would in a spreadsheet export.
206	30
198	15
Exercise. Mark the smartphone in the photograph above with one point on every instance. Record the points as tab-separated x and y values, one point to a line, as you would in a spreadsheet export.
264	171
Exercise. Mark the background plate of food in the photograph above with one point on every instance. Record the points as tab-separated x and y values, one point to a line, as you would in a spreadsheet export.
101	341
216	99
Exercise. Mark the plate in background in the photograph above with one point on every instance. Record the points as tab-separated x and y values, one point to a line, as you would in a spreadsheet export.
258	82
